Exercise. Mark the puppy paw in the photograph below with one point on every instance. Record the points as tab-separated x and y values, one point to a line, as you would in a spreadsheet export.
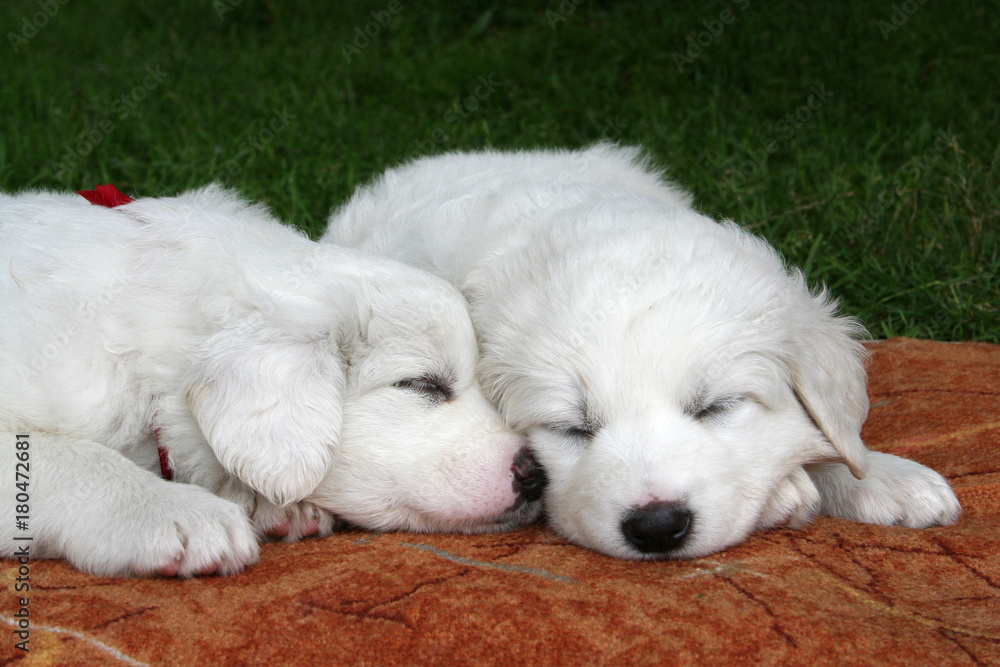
179	530
794	503
292	523
894	492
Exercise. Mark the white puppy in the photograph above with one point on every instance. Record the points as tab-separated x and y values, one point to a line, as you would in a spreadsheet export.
298	382
679	385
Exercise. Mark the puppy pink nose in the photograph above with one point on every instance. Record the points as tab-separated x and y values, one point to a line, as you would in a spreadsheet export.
529	476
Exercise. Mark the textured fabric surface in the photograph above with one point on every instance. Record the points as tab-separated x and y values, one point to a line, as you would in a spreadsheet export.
835	592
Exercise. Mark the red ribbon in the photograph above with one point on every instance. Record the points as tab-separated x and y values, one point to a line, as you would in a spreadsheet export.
105	195
166	470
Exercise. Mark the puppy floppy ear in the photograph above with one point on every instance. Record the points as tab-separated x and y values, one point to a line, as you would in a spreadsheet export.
828	373
269	405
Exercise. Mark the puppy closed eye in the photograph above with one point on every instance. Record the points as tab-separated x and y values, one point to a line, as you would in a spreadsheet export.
433	388
585	431
714	411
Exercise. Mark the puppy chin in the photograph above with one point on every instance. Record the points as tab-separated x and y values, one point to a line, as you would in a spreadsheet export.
410	521
605	539
390	514
520	516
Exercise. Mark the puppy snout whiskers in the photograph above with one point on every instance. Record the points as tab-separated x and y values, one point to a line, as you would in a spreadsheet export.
658	527
529	476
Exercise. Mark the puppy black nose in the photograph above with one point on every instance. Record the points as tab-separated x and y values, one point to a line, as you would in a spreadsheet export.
657	527
529	476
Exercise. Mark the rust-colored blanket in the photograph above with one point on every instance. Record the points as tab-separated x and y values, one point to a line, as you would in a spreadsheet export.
836	592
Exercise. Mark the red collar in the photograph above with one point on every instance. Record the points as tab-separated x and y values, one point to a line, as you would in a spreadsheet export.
166	470
110	196
104	195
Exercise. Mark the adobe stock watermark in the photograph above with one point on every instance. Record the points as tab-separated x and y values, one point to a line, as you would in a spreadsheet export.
30	25
614	303
784	129
21	502
697	42
898	17
613	128
581	162
459	112
563	11
317	266
93	136
306	270
250	147
223	7
364	34
911	170
58	340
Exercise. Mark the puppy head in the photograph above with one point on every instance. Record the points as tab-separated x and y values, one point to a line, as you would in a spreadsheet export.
674	385
421	448
355	388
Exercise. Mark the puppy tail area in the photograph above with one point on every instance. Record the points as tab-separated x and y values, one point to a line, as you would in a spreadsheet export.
107	516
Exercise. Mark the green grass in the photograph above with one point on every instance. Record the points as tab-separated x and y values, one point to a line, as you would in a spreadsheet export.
886	191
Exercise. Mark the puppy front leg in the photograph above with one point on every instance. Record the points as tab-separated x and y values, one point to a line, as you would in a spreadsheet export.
292	523
193	460
894	492
289	523
107	516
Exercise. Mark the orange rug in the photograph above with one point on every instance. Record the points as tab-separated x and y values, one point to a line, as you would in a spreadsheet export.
837	592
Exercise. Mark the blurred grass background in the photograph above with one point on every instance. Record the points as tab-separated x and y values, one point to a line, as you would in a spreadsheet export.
860	138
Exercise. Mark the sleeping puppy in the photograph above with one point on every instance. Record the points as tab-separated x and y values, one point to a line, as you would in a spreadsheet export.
290	384
680	386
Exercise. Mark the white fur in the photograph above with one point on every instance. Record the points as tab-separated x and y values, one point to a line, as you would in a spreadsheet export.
603	301
269	365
